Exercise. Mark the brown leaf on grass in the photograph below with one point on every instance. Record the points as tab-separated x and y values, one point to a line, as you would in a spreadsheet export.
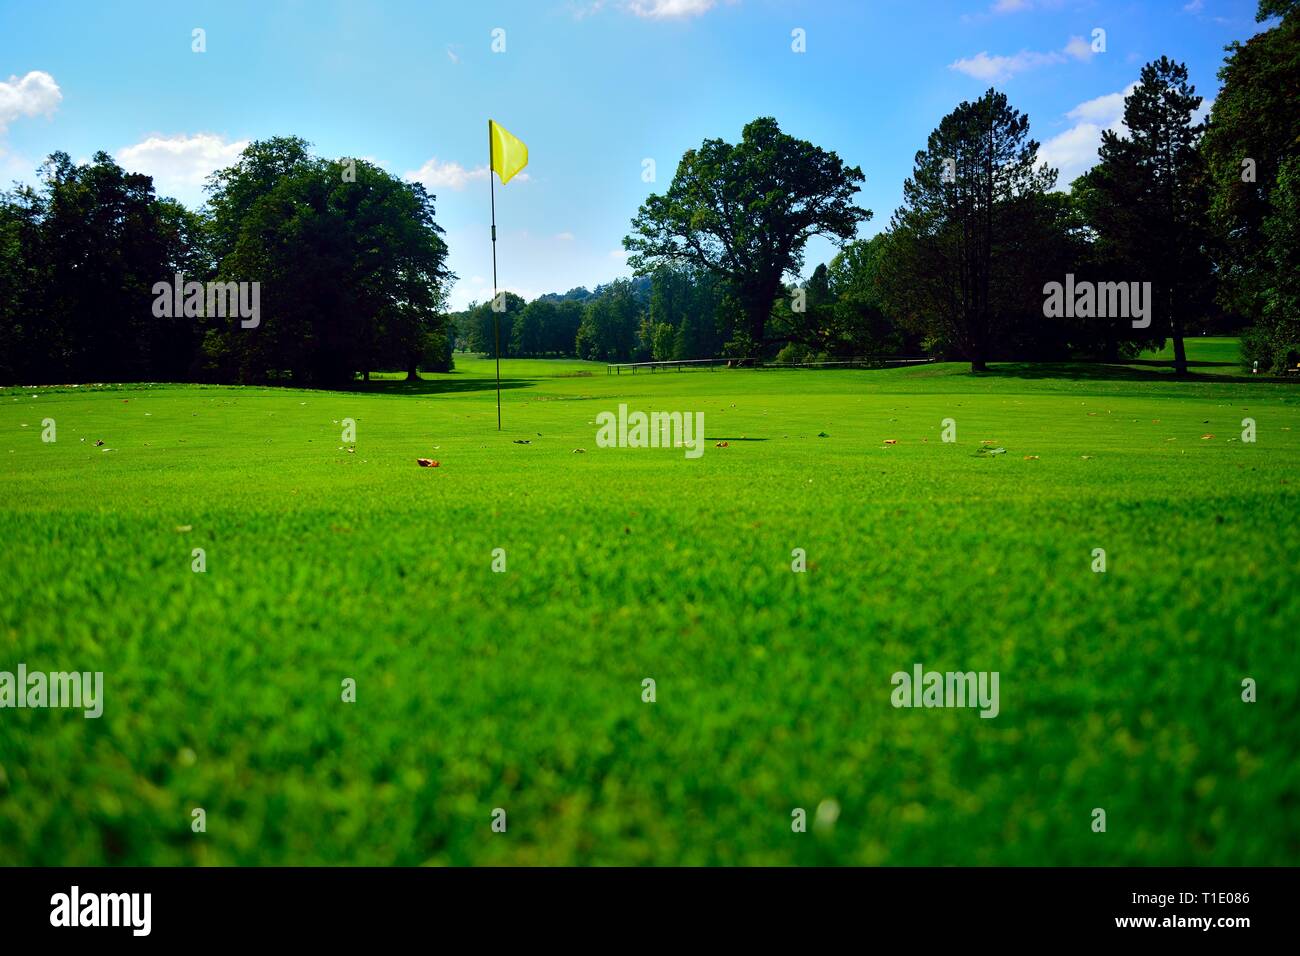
1031	458
1205	437
891	441
426	463
721	444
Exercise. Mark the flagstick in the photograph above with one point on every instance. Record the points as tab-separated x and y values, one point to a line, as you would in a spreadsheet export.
496	321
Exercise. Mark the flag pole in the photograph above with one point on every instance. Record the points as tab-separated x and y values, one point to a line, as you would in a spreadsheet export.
496	320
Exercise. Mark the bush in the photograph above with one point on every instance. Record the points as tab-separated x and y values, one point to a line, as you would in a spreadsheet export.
793	354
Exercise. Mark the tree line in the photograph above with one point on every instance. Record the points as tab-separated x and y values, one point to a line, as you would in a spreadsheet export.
1182	226
348	262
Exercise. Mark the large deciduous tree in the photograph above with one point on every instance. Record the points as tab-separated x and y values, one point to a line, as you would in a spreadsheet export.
351	262
1253	135
746	211
78	256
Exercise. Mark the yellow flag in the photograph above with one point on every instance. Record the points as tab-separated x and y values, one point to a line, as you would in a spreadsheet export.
509	154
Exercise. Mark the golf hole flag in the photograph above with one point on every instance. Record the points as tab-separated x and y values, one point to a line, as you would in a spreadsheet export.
507	154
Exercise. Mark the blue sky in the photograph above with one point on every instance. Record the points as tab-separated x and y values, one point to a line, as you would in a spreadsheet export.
594	88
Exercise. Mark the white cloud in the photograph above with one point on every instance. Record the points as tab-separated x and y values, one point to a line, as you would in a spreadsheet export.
179	164
36	94
1106	109
985	67
564	236
669	9
451	55
436	174
1079	48
1075	151
982	66
1010	6
581	9
1196	6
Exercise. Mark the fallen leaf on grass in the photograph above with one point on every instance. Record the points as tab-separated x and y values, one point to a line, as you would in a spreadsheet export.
1031	458
721	444
426	463
1204	437
522	441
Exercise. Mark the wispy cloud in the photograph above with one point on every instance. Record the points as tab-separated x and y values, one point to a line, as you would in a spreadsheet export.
669	9
1002	8
982	66
437	174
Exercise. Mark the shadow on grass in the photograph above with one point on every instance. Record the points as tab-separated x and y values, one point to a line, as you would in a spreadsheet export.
1139	370
439	386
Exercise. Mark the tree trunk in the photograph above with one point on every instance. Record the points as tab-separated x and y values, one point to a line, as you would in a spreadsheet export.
1180	351
756	314
412	371
1176	327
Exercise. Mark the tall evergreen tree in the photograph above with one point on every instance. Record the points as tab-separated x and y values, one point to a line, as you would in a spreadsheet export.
1151	199
952	267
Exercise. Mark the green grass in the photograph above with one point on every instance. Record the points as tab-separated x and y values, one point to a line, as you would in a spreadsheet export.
522	690
1211	355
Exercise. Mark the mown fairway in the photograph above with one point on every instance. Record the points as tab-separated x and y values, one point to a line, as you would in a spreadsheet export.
522	690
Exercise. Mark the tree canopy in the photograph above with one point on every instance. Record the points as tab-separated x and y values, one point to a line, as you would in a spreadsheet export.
745	212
